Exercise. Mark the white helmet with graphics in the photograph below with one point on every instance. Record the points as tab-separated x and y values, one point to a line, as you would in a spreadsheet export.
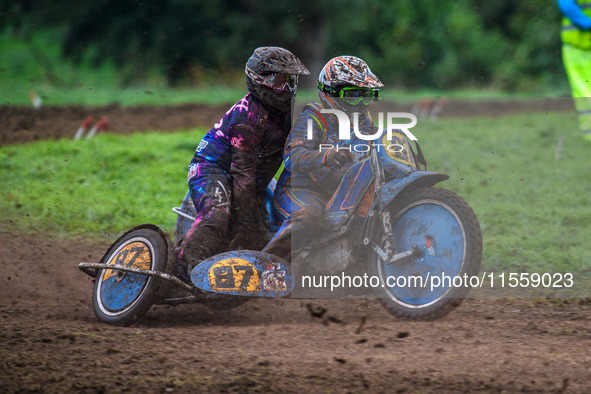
346	82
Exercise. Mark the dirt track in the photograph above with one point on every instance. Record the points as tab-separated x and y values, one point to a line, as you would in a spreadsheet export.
24	124
51	341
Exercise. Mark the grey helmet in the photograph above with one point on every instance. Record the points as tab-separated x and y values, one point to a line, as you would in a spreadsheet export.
266	61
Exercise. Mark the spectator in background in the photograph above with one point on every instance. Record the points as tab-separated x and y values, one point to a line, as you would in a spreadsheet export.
576	56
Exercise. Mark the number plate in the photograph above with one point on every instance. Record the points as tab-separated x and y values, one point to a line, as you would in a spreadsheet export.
234	274
133	255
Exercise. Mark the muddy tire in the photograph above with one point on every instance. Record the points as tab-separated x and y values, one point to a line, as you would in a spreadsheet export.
446	231
121	298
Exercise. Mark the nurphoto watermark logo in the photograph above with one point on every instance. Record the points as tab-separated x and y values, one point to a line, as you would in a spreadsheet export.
373	134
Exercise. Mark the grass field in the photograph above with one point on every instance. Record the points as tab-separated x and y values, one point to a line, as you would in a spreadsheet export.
102	185
534	210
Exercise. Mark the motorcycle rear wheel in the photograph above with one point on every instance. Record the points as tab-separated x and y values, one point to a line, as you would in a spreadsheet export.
121	298
445	229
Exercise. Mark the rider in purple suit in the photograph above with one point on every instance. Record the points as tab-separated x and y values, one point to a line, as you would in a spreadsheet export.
238	157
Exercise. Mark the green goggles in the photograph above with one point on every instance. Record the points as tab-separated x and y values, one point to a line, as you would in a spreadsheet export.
352	94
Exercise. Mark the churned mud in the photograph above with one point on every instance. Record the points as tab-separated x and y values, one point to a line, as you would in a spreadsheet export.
50	340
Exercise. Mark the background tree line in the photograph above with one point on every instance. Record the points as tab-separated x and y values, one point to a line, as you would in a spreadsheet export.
442	44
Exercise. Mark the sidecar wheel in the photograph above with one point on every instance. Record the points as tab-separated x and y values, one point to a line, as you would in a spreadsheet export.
445	229
121	298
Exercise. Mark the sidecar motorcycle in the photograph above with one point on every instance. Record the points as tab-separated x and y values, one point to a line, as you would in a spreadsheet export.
386	219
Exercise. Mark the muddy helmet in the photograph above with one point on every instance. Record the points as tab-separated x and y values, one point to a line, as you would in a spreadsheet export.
272	76
339	78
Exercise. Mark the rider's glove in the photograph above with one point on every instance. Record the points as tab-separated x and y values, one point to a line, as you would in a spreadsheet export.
336	158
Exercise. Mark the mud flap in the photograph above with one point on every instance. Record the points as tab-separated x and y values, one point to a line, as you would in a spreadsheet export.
244	273
415	180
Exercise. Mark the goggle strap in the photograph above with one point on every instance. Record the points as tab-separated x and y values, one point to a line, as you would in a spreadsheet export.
324	88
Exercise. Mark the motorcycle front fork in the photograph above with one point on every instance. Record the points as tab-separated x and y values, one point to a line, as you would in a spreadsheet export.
384	246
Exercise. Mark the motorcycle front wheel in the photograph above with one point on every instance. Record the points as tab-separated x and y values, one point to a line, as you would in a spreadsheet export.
445	234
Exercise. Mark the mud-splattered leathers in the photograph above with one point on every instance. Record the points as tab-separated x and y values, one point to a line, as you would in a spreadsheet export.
307	181
232	166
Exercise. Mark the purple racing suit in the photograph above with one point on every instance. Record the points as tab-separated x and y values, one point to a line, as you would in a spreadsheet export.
232	166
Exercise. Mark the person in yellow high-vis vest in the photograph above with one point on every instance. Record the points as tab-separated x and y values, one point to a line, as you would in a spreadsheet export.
576	56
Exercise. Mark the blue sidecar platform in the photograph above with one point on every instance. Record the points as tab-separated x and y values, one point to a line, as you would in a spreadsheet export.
244	273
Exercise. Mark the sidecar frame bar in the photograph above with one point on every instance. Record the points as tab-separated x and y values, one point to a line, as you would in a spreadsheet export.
414	252
90	269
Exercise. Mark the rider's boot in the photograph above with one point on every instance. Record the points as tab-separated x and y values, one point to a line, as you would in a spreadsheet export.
296	232
181	271
187	259
202	241
280	245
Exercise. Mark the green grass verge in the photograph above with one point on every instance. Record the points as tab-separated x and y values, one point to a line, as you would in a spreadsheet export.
98	95
534	210
103	185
